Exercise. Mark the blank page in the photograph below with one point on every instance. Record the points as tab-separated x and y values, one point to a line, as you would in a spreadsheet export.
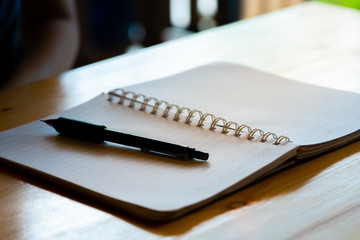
307	114
129	175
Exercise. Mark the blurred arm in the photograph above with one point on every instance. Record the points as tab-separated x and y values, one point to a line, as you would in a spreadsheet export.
49	39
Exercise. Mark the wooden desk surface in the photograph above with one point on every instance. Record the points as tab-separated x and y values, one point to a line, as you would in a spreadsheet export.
311	42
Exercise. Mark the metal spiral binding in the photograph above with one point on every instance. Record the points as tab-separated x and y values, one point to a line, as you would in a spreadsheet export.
225	125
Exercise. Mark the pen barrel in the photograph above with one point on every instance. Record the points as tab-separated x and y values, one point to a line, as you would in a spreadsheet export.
80	130
147	144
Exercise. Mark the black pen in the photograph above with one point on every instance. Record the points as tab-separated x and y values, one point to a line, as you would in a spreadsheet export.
99	133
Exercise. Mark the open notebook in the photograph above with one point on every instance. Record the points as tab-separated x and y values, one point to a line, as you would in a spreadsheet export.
253	116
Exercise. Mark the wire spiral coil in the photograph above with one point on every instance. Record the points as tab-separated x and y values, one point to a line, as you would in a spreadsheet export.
214	121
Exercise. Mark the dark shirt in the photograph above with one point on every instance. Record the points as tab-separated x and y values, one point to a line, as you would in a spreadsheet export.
10	13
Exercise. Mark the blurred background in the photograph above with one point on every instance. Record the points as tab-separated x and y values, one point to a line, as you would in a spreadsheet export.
113	27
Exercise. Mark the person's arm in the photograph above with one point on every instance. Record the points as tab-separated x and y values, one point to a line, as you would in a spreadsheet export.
49	40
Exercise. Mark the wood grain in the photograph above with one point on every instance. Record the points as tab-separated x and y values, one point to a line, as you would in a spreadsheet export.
310	42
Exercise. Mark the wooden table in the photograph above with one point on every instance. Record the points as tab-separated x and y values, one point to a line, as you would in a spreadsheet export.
311	42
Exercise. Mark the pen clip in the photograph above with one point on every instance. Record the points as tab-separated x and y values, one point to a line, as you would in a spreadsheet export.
183	157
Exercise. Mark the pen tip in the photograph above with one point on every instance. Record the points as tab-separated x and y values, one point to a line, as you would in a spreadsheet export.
49	122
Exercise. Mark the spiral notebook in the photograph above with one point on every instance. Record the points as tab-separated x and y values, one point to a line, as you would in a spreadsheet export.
249	122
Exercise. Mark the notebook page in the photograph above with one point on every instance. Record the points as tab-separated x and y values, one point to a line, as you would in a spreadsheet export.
129	175
307	114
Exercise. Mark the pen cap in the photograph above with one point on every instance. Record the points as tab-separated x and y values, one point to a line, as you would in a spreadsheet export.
80	130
